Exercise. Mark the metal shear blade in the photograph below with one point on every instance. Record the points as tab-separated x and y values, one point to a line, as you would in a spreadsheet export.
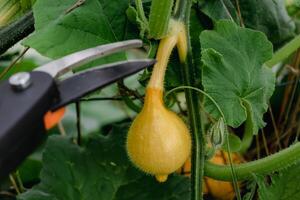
78	85
86	82
69	62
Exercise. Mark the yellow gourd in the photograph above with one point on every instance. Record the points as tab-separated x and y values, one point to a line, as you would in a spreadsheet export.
158	141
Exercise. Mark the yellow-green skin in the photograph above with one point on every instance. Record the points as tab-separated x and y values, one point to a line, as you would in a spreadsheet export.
158	140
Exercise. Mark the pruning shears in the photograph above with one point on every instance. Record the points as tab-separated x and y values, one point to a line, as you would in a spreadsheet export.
31	101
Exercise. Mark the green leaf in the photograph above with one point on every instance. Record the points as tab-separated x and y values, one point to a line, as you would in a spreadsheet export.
220	9
268	16
284	186
233	73
234	143
100	170
59	32
29	170
115	14
251	190
137	16
26	4
25	65
134	18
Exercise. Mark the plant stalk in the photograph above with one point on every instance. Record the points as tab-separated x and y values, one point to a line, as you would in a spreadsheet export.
193	107
198	146
165	48
284	52
264	166
247	137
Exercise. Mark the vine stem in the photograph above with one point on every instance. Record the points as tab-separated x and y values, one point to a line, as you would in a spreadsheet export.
284	52
165	48
193	108
244	171
198	149
247	137
233	173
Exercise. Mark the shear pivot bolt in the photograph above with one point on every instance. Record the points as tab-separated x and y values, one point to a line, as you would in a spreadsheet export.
20	81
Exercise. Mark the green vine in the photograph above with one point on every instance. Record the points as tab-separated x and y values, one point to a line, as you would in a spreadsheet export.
263	166
233	173
284	52
245	171
248	135
193	107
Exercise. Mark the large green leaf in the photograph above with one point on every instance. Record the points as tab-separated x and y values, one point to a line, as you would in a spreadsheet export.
233	73
59	32
268	16
284	186
100	170
220	9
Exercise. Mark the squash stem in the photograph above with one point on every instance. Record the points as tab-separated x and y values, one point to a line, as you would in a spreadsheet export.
284	52
247	137
193	107
165	48
264	166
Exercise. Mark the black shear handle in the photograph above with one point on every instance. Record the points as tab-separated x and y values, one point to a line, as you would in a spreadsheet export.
22	119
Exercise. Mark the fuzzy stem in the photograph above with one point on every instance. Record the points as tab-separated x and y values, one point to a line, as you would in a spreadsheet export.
198	149
236	188
263	166
165	48
182	44
193	107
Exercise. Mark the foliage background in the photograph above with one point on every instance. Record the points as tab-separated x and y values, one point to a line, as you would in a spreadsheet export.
99	168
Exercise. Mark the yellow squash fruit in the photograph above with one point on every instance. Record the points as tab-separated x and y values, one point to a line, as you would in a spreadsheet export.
158	141
221	190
